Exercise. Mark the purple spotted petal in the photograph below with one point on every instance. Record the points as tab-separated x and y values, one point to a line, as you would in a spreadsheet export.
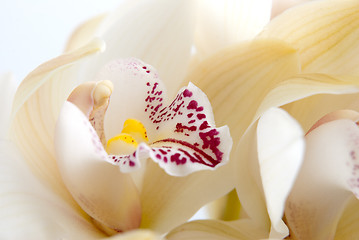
186	139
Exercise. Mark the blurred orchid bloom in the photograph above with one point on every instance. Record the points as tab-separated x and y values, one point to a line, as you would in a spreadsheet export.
172	36
305	61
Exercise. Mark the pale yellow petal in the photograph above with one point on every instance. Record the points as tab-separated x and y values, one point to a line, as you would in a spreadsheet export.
215	229
222	23
308	97
236	79
348	226
85	33
36	107
324	32
168	201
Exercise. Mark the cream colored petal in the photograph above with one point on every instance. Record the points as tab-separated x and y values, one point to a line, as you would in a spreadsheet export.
281	148
30	210
215	229
158	32
308	97
236	79
325	34
225	22
36	106
85	33
326	181
348	226
168	201
7	91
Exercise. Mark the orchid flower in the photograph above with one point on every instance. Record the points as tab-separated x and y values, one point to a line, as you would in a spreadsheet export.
305	61
179	136
50	191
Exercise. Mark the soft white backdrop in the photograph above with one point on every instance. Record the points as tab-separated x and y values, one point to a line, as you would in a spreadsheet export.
33	31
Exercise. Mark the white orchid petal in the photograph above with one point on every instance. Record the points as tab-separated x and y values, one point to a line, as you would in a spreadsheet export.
280	153
7	92
189	140
215	229
188	130
106	194
222	23
30	210
158	32
326	182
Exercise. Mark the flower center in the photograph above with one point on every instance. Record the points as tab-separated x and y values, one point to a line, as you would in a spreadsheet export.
133	133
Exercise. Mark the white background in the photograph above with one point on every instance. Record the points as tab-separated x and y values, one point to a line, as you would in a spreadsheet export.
34	31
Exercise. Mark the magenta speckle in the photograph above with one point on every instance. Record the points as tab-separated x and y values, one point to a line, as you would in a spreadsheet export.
187	93
201	116
192	105
204	125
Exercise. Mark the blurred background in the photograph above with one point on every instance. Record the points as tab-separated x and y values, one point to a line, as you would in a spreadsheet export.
34	31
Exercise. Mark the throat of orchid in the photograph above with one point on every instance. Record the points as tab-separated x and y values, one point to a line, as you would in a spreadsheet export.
133	133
